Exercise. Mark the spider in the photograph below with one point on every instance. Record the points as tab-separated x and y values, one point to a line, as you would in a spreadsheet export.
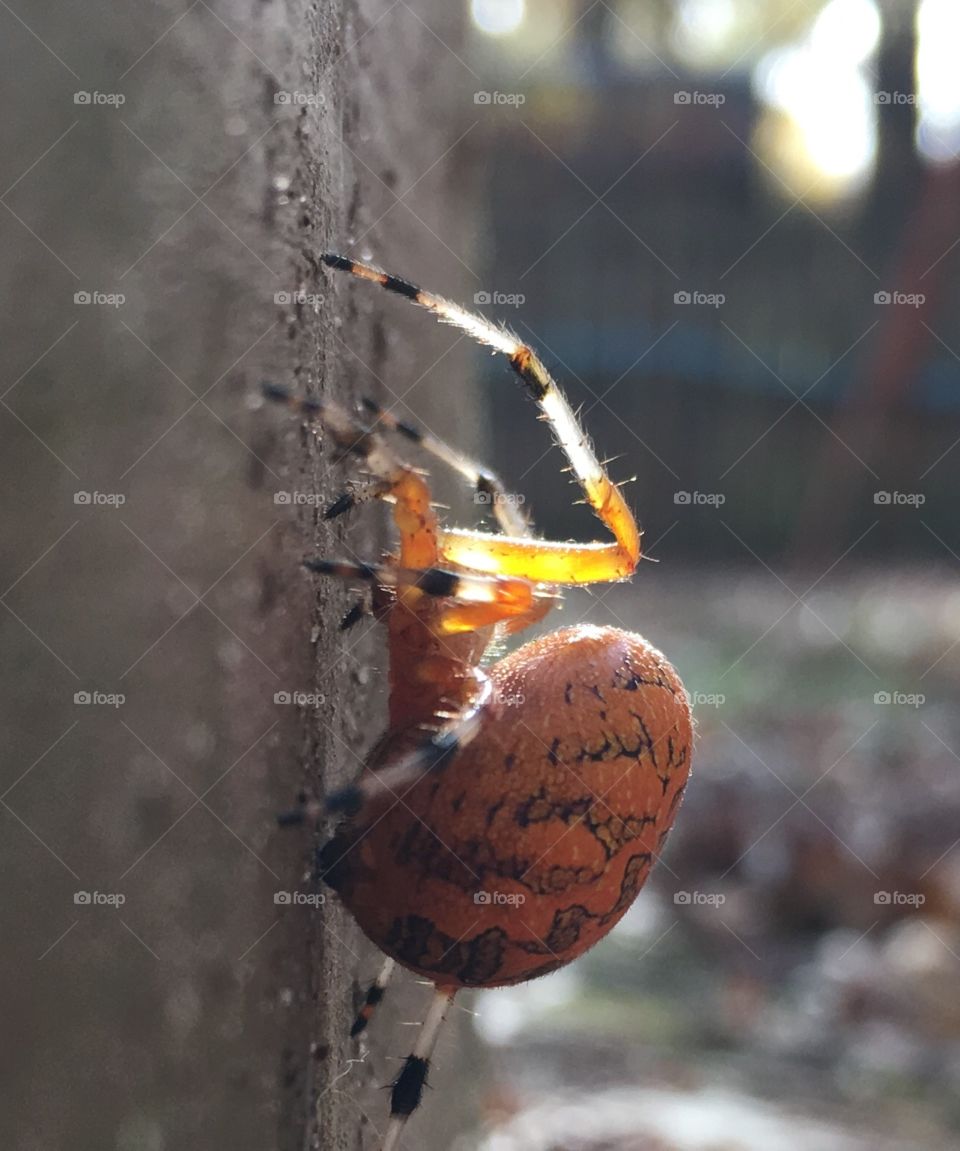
511	813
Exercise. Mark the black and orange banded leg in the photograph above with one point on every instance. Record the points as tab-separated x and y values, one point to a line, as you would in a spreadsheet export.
407	1091
437	747
537	560
374	997
475	600
489	488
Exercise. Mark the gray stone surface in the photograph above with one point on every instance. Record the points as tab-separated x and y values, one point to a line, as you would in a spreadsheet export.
199	1012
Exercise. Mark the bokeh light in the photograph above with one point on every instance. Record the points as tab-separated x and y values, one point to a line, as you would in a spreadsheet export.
498	17
938	31
820	87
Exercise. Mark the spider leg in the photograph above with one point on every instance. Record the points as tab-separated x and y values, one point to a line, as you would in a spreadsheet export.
412	512
375	994
408	1086
563	563
476	600
489	488
555	562
428	754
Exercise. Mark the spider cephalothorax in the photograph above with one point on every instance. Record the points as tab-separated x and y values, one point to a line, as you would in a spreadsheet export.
509	815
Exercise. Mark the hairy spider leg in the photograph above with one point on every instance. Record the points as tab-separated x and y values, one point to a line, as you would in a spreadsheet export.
433	621
488	486
408	1087
413	513
475	602
374	997
493	597
507	511
428	751
537	560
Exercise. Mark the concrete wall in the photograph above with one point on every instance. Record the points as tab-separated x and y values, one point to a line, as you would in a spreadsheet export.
199	1012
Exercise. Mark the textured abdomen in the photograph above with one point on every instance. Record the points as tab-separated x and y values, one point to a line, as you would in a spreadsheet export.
528	846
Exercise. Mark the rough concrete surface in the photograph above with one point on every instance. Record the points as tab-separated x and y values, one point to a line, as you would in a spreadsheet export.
198	1012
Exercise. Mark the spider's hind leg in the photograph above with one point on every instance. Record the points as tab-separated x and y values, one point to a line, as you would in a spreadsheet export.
413	511
374	997
559	563
396	775
489	489
407	1090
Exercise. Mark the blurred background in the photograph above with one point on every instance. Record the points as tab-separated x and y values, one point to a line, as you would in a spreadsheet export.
732	229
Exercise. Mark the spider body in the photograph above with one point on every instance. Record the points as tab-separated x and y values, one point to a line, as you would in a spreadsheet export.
509	815
533	841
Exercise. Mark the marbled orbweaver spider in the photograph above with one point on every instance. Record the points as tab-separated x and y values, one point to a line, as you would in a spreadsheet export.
511	813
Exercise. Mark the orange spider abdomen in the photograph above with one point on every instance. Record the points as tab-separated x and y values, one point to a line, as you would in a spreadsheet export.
528	845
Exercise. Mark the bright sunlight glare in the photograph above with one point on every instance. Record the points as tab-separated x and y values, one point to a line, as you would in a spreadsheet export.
821	85
498	17
847	31
938	30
